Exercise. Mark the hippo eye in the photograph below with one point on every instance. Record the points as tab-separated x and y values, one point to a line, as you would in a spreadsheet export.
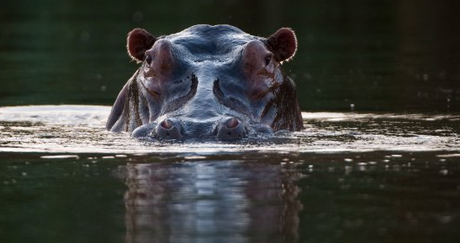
268	59
148	59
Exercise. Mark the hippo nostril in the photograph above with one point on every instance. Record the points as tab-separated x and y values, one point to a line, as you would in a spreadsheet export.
231	129
166	124
232	123
168	129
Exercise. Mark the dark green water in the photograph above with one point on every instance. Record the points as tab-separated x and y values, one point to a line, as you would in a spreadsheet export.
250	197
386	173
378	55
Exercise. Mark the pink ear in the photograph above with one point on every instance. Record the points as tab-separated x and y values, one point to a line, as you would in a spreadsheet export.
139	40
283	44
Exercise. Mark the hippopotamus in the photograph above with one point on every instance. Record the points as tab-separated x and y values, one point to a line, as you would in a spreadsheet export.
215	82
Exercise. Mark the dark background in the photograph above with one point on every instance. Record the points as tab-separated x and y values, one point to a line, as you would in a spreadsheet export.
379	55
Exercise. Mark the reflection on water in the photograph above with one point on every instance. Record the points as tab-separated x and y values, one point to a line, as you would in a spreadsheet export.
223	201
347	177
230	197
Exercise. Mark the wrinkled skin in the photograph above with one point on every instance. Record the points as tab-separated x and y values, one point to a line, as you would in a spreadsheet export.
207	82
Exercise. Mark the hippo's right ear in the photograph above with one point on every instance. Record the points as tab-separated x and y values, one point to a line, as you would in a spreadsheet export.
139	41
283	44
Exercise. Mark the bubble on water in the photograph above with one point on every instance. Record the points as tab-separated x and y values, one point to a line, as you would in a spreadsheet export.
425	77
108	157
348	169
352	107
24	173
447	155
443	172
348	160
60	156
396	155
121	156
444	219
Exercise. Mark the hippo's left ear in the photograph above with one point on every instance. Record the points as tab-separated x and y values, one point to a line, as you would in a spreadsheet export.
139	41
283	44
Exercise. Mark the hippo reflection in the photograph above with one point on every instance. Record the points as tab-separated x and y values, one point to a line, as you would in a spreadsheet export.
207	82
211	201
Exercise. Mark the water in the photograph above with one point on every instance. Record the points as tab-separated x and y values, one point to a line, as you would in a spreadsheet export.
81	129
378	160
348	177
378	55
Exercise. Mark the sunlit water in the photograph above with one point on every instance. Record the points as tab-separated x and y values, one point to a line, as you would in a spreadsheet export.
81	129
348	177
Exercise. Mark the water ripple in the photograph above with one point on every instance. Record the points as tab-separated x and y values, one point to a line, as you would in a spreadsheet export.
81	129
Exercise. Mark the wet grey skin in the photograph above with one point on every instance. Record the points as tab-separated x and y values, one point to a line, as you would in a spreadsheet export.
207	82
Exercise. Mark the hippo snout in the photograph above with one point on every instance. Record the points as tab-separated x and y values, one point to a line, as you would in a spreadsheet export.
226	129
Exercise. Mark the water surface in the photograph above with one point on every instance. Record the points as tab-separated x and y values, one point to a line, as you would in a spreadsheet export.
348	177
382	167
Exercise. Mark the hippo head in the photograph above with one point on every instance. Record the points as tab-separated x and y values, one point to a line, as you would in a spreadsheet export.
207	82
